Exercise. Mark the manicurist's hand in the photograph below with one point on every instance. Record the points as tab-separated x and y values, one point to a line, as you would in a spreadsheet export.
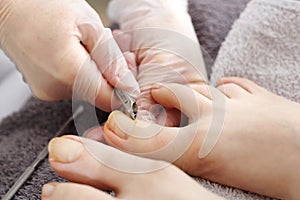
161	35
62	48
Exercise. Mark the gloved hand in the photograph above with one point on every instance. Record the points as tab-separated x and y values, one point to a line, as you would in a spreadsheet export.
60	42
162	37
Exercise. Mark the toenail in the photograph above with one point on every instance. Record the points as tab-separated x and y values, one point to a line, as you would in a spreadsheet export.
113	121
64	150
48	189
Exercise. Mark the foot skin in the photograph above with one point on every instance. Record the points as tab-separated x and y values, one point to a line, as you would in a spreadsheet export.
70	158
258	149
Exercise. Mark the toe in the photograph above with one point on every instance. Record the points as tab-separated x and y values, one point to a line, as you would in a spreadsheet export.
246	84
95	134
89	162
231	90
149	140
203	89
135	136
181	97
70	191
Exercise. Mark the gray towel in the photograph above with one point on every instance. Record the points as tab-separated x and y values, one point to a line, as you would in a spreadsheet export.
212	20
24	134
264	46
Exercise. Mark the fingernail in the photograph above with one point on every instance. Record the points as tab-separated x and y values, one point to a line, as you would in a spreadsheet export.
48	189
64	150
113	120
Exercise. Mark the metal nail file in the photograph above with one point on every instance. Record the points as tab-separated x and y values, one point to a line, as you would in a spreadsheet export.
42	155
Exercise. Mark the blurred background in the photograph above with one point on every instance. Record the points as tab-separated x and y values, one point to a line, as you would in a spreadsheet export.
100	6
13	91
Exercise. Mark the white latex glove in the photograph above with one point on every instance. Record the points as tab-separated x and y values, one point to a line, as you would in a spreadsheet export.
59	42
165	45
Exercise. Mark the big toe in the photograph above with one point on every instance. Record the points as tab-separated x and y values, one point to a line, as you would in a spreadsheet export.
136	136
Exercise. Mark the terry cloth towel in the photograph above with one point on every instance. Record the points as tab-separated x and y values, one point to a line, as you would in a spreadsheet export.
22	137
263	46
212	20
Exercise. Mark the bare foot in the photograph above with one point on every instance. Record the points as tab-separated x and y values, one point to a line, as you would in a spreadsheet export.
71	157
258	149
